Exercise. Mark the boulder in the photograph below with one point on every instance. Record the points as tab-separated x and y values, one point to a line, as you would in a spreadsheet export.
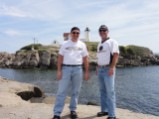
24	90
34	59
29	59
44	58
53	61
5	59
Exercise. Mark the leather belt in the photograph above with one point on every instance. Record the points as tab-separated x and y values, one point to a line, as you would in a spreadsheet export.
103	66
71	65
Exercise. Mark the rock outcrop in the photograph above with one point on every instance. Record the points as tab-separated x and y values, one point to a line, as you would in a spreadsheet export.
23	90
6	59
43	58
29	59
46	57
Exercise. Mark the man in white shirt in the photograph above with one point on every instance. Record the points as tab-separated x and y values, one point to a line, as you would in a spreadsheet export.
72	54
107	54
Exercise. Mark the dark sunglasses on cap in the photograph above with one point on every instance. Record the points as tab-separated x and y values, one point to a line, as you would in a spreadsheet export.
76	33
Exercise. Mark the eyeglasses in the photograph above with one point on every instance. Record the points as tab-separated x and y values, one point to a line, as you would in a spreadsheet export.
102	30
100	48
76	33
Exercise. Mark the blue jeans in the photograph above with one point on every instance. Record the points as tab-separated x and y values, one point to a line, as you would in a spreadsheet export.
73	76
107	91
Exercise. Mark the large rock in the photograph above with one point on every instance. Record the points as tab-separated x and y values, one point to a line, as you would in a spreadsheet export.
18	60
23	59
29	59
45	58
24	90
5	59
34	59
53	60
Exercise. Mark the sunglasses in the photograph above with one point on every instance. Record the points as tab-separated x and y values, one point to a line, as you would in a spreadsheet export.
102	30
100	48
76	33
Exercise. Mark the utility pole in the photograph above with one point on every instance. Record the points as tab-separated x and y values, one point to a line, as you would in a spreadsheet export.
34	40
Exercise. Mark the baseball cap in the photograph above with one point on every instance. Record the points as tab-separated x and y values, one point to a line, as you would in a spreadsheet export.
103	27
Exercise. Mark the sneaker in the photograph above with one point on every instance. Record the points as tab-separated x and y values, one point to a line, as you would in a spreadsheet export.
73	115
111	118
100	114
56	117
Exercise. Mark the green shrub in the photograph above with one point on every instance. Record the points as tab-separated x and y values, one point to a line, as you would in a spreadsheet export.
92	46
130	51
122	49
29	47
138	50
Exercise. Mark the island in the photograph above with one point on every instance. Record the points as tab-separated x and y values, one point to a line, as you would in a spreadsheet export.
42	56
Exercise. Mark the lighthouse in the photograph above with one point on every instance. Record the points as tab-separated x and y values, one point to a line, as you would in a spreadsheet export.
87	30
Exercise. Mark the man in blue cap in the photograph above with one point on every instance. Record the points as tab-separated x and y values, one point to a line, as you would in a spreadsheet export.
107	54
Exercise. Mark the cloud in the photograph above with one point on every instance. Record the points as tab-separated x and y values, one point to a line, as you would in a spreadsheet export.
11	32
11	11
115	15
38	9
45	10
48	19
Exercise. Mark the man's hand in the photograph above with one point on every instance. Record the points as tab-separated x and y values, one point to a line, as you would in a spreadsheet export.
59	66
86	65
111	71
86	75
59	75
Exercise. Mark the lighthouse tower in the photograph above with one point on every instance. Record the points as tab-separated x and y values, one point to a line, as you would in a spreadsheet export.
87	30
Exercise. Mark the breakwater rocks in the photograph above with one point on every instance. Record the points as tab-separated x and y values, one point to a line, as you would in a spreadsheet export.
46	57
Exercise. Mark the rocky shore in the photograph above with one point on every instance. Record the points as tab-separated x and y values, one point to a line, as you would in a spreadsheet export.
26	101
46	57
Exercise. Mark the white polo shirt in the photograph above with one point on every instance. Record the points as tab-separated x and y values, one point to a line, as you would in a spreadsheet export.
73	52
109	47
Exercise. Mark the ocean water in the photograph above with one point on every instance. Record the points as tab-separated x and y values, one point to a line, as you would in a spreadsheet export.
137	89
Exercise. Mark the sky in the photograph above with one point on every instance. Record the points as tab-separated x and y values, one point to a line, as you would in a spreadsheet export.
130	22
